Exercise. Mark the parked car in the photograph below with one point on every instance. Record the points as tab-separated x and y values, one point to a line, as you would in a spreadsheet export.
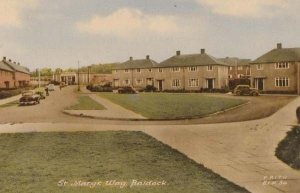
100	88
51	87
29	98
245	90
127	90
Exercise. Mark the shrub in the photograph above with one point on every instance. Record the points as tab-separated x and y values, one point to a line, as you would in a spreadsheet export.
150	88
9	93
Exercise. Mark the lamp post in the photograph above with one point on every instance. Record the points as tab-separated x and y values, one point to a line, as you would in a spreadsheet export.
78	77
89	71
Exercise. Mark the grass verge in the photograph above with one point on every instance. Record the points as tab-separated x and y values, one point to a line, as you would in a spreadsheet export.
288	148
172	106
11	104
36	162
86	103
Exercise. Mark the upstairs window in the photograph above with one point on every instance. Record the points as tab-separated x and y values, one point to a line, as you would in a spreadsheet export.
259	67
126	70
240	67
150	69
282	65
175	69
160	70
209	68
192	68
138	70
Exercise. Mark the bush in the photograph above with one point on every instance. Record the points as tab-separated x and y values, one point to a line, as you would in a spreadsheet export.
150	88
9	93
278	92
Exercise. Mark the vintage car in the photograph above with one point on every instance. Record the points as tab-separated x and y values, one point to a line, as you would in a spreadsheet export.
51	87
41	93
29	98
245	90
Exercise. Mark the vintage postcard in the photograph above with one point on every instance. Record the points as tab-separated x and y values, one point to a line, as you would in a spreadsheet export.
140	96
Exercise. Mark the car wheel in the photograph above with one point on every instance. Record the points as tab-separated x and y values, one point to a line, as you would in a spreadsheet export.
238	93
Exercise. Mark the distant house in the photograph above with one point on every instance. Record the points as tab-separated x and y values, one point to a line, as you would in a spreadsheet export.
71	78
277	71
191	72
6	76
136	73
21	76
238	68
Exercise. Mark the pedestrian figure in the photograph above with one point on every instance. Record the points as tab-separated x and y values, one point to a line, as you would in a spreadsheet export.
47	91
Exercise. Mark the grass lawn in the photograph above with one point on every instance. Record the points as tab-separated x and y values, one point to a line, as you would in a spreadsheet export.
86	103
14	103
36	162
172	106
288	148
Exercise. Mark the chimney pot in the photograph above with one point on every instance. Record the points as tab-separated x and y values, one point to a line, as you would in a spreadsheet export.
9	60
279	46
130	58
4	58
178	53
148	57
202	51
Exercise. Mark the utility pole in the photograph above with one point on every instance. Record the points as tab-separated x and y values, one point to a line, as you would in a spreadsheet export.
39	74
89	71
78	77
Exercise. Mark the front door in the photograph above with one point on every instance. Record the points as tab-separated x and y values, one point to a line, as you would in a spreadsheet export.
6	84
259	83
210	83
160	85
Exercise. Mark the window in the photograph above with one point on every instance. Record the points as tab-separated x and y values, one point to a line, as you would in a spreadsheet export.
230	76
138	70
126	70
281	65
150	69
160	70
192	68
193	83
126	82
259	66
282	82
230	67
240	67
176	83
240	75
175	69
116	71
210	68
138	81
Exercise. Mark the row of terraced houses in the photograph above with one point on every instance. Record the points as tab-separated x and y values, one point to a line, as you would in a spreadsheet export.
277	71
13	75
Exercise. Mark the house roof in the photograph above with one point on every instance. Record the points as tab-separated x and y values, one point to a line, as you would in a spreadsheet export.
234	61
191	60
279	55
16	67
4	66
134	64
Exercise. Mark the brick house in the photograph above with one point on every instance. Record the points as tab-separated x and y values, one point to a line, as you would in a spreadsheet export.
21	76
6	76
238	68
277	71
191	72
136	73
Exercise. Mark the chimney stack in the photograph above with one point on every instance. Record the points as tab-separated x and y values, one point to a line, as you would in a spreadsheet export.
130	58
148	57
4	58
14	62
202	51
279	46
178	53
9	60
19	63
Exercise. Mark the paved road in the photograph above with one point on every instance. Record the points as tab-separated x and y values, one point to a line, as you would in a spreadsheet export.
241	152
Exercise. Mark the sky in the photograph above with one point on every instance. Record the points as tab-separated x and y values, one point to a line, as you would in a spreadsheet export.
59	33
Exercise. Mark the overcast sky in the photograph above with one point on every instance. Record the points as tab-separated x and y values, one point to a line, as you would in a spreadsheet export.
57	33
